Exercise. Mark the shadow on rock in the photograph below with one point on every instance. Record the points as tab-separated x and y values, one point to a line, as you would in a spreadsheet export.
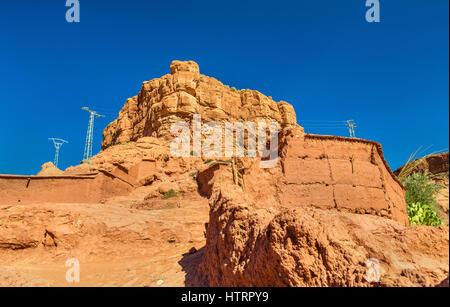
190	263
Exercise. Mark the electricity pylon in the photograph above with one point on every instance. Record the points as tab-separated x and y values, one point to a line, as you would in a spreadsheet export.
351	128
58	143
90	134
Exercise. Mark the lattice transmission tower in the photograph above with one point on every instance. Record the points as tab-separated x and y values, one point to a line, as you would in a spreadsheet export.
90	134
351	128
58	143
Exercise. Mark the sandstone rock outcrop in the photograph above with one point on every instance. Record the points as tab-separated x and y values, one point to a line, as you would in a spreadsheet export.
184	92
253	245
433	164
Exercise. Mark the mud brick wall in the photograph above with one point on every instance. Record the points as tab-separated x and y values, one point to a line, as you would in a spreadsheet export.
327	172
59	189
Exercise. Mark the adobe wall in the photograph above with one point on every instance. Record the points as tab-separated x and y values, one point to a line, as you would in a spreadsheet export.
346	174
60	189
331	172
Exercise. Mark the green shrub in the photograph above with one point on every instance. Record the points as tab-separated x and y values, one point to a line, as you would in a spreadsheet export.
169	194
423	215
421	201
419	189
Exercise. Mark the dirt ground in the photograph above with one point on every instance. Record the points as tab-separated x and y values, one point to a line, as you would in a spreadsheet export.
115	244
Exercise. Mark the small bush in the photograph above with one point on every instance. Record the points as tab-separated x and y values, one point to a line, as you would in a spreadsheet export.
420	199
423	215
169	194
419	189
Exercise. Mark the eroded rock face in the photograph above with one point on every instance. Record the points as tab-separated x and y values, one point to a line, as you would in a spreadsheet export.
251	245
176	97
433	164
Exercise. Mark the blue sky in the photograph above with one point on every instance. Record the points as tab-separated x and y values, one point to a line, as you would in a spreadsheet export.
320	55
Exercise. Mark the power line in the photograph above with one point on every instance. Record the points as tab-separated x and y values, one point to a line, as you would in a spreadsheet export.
324	121
108	111
325	127
330	124
90	134
58	143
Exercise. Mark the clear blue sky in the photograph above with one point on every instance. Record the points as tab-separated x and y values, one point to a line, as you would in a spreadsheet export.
320	55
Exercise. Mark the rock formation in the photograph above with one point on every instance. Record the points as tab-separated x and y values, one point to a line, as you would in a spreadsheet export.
176	97
433	164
